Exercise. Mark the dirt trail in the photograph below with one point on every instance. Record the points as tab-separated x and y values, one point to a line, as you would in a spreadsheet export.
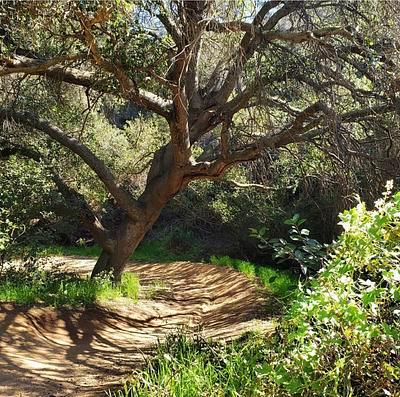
50	352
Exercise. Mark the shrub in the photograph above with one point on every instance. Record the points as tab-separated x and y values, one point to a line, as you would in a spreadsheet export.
9	233
341	337
306	252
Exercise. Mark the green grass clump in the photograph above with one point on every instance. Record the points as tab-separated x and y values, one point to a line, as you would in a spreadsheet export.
248	268
156	288
278	282
129	286
195	367
34	285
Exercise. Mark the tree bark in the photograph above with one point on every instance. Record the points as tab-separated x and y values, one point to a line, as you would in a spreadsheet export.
102	264
164	181
127	237
113	263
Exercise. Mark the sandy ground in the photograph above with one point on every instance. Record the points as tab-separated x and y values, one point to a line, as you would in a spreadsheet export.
63	352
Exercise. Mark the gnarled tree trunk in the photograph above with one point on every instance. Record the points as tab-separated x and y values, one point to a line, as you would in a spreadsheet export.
163	183
127	238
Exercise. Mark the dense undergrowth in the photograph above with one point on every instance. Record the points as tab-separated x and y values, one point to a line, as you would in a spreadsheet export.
339	338
36	285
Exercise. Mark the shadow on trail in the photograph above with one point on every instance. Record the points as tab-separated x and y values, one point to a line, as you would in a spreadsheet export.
59	352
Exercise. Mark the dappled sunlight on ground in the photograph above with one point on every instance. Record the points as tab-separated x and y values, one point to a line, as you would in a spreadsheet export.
58	352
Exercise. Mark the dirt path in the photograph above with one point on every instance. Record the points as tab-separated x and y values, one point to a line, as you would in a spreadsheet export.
49	352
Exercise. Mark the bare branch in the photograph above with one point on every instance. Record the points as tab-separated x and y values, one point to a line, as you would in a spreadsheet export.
359	114
22	64
283	12
231	26
225	139
305	36
169	23
251	185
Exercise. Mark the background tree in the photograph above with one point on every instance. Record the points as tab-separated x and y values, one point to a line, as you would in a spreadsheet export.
226	81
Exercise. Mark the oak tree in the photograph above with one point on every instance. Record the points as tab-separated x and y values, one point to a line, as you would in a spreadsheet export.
235	78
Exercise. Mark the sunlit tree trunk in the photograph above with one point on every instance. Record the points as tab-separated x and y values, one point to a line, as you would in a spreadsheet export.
128	237
163	182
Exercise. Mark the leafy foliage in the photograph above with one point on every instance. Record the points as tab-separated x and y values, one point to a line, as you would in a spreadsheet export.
215	214
26	201
341	337
303	250
9	232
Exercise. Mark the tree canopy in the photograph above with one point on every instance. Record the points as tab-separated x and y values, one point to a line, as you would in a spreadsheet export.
226	81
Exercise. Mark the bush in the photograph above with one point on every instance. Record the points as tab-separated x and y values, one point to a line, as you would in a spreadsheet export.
341	337
304	251
215	214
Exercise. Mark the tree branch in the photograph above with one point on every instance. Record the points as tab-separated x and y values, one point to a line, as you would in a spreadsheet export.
124	199
248	45
295	132
22	64
76	201
305	36
129	87
51	69
251	185
169	23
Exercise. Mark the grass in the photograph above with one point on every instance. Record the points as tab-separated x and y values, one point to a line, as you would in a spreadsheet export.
279	282
195	367
156	251
53	288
